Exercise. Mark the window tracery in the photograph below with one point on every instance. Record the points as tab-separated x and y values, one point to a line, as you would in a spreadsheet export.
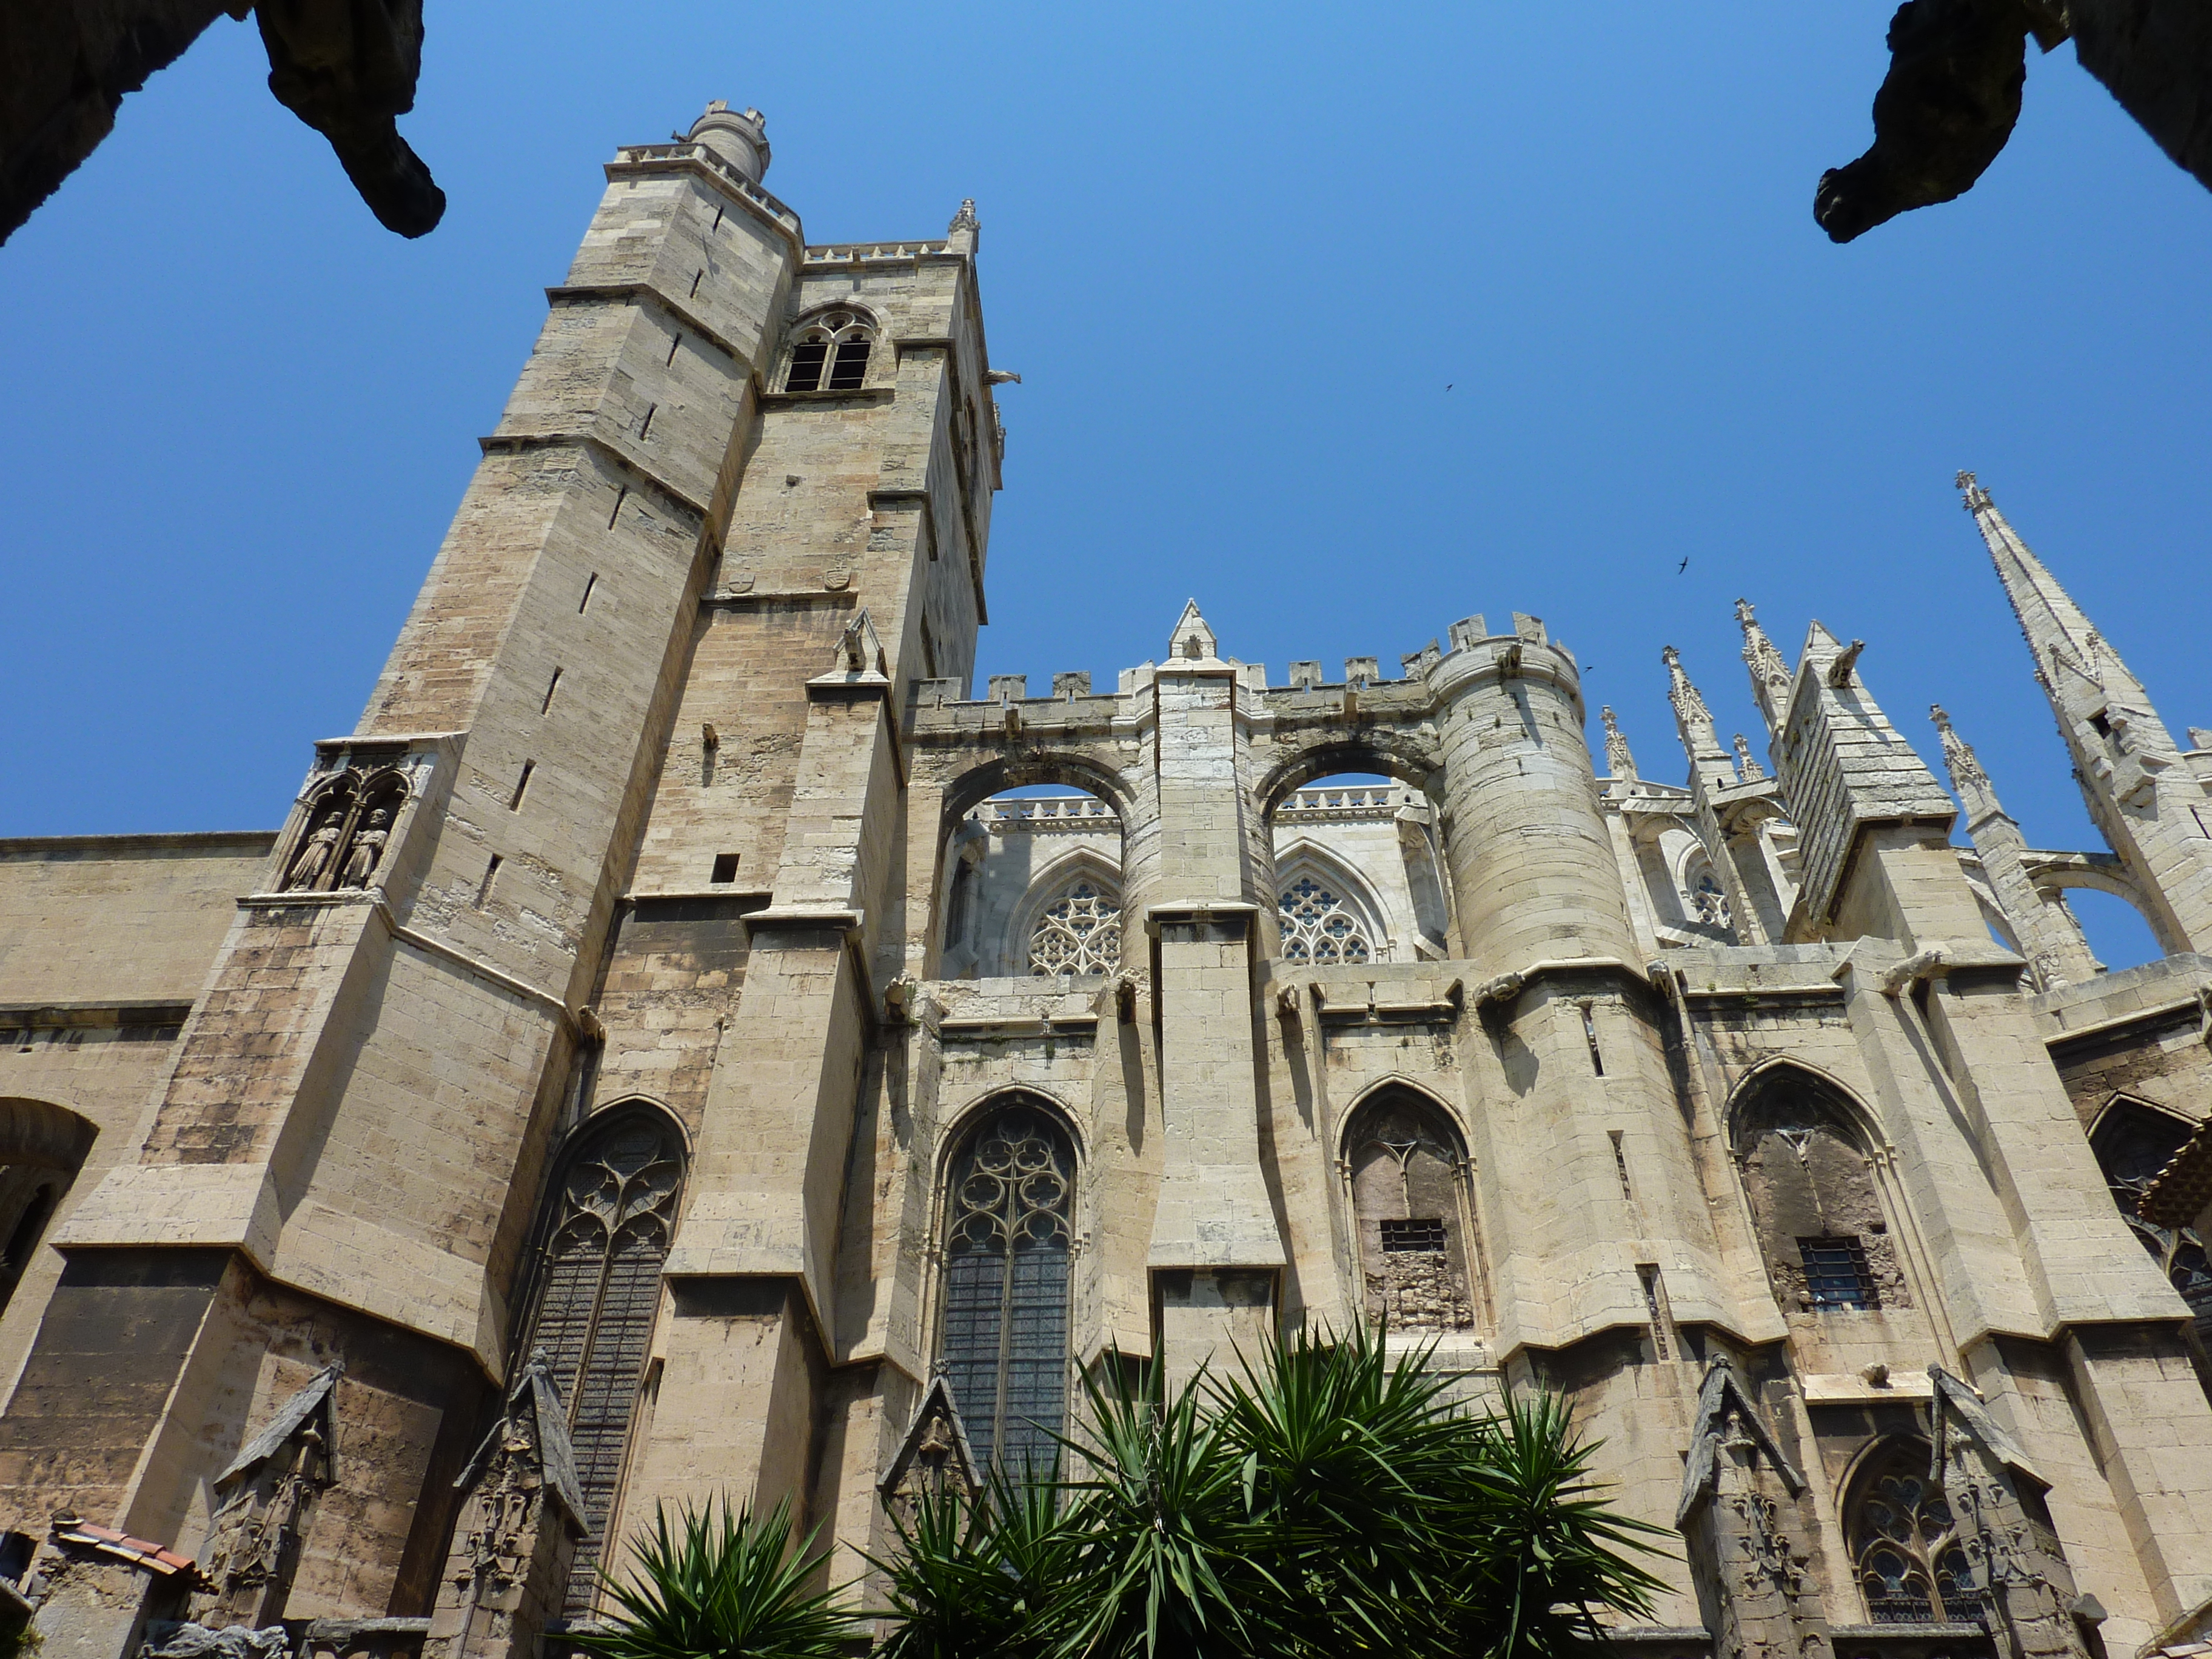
1004	1343
1319	926
613	1210
2133	1144
830	354
1079	933
1906	1546
1406	1168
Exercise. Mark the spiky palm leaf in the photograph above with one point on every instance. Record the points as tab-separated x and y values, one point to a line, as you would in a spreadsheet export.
722	1585
996	1578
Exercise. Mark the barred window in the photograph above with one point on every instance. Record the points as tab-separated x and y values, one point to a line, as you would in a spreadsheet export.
1836	1272
1905	1545
1319	926
1081	934
836	345
1408	1169
614	1207
1003	1346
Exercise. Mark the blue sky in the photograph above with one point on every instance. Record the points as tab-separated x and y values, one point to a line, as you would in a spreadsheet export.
1239	254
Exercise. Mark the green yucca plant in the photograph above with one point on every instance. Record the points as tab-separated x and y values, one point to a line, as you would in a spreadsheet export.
722	1585
1330	1499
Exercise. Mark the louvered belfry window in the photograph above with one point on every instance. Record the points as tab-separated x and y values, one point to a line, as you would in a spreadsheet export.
599	1287
1007	1245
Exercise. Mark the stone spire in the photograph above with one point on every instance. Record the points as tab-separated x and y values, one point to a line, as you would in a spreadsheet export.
1692	718
2049	935
1770	674
1619	762
2148	802
1967	779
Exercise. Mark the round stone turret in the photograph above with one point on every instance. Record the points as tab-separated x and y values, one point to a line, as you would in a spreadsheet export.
740	138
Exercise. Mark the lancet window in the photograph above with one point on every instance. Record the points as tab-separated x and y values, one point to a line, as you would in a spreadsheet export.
1079	933
1408	1199
831	355
1912	1563
1009	1241
2133	1144
611	1213
1320	924
1821	1226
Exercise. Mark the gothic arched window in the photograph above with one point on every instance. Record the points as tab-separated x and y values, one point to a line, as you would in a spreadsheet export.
1407	1170
1008	1237
1905	1545
1821	1226
612	1210
1320	923
831	355
2132	1143
1079	933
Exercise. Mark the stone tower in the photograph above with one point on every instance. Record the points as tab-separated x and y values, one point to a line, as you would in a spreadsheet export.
685	1042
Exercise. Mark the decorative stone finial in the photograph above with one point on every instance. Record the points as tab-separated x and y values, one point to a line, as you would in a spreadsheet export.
740	139
1770	674
1746	763
1959	759
1977	498
1689	706
1618	760
964	220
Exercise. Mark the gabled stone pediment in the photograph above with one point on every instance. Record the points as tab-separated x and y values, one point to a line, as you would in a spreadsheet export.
935	1456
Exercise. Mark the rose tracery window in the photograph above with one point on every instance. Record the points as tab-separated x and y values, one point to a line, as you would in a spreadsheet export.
1008	1238
1905	1544
831	356
599	1288
1319	926
1080	934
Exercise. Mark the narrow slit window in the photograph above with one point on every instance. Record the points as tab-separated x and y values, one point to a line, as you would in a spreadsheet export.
674	341
1620	1165
725	868
590	583
1590	1036
645	426
1836	1272
483	888
1649	1272
521	787
718	219
551	686
620	495
696	278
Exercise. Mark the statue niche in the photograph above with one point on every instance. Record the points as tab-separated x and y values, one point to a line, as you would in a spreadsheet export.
266	1500
349	829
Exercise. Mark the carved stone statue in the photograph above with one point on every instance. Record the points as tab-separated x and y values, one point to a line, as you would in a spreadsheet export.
264	1501
367	848
315	855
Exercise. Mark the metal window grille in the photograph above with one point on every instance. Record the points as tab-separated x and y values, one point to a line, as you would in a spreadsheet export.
1836	1273
600	1290
1426	1236
1004	1341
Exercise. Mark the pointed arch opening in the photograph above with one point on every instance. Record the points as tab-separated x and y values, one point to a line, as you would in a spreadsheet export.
1030	876
42	1147
2132	1142
1008	1229
1406	1167
1912	1566
604	1230
1803	1151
